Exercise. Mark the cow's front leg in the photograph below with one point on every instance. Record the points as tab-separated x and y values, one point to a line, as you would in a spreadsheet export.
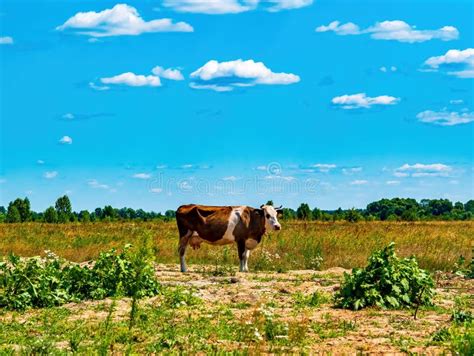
241	249
246	260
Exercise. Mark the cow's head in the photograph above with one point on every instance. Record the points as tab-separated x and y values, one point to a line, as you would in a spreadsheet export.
271	220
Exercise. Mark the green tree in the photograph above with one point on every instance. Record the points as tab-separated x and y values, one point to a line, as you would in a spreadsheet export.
64	209
84	216
169	214
109	213
23	207
304	212
469	206
270	202
288	214
13	215
316	214
353	215
3	214
410	215
439	207
50	215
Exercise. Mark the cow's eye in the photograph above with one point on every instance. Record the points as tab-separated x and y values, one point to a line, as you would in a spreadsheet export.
268	216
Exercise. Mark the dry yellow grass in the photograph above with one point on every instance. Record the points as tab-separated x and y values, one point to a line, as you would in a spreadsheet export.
437	245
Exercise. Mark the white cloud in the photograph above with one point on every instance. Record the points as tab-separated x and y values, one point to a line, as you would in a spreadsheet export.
455	62
133	80
138	80
392	182
396	30
98	87
279	5
218	7
156	190
456	101
279	177
359	182
169	73
423	170
348	28
262	168
65	140
96	185
361	100
388	69
224	76
212	7
352	170
161	166
6	40
323	167
215	87
142	175
445	117
185	186
50	175
122	19
230	178
40	162
68	116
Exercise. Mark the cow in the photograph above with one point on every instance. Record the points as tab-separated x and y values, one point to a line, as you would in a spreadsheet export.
222	225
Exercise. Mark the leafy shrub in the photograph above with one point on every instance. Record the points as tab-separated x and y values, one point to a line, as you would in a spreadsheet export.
386	282
462	270
462	316
36	282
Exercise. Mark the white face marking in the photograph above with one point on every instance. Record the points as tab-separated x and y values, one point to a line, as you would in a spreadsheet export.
271	220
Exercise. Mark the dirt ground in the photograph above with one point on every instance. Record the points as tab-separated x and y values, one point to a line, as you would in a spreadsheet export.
375	331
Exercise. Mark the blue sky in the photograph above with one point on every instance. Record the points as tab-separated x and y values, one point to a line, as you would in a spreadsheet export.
152	104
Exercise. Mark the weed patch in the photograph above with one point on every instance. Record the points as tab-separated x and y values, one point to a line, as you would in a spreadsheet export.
386	282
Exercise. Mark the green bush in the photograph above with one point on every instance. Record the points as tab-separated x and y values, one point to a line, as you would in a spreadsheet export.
461	269
37	282
386	282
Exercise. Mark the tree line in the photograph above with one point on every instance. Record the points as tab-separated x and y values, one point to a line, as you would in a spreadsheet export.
396	209
19	211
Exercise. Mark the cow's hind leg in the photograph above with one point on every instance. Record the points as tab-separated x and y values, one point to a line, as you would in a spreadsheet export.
183	243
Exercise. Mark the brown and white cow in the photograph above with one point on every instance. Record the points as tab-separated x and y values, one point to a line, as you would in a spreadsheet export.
222	225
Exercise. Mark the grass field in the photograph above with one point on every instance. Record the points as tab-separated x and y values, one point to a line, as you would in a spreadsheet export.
437	245
282	306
